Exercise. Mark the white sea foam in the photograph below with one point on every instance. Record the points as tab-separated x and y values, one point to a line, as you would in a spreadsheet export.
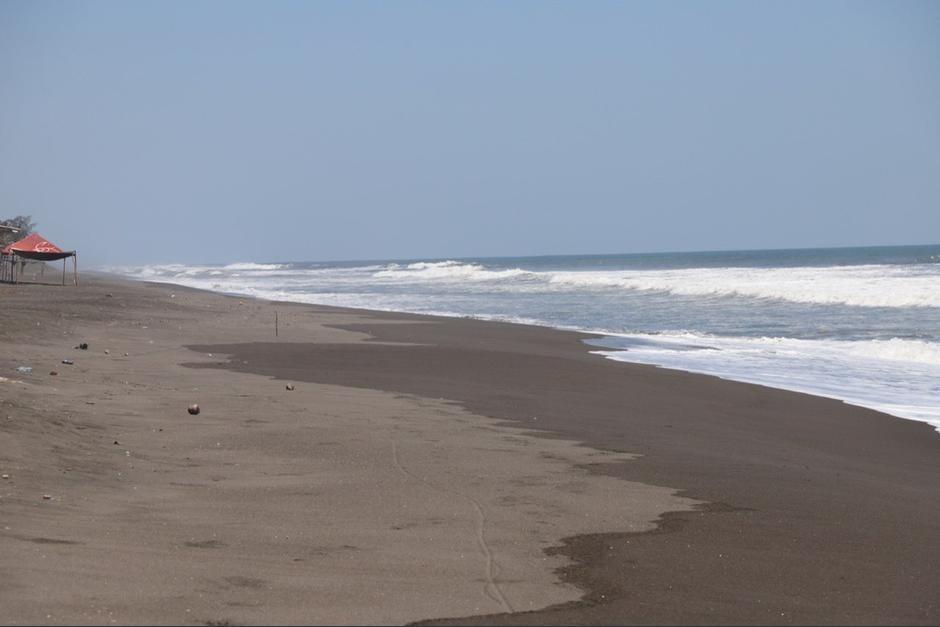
248	265
894	349
447	271
154	270
897	376
897	349
863	286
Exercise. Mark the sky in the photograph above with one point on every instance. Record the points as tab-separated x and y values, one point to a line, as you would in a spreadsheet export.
140	132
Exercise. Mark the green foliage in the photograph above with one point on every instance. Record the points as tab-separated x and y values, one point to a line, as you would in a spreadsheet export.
25	225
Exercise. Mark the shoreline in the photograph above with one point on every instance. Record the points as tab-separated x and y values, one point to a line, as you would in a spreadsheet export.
802	518
880	406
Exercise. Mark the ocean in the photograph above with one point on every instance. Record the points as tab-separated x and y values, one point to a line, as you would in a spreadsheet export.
857	324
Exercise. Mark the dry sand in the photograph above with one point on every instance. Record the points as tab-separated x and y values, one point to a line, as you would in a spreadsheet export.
324	504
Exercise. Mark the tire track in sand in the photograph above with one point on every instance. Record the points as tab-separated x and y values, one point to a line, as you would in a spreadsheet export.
490	588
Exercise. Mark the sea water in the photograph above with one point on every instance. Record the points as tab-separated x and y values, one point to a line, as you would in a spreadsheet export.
857	324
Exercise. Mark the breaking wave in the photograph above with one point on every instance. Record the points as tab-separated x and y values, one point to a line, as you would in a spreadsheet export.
448	271
247	265
861	286
858	286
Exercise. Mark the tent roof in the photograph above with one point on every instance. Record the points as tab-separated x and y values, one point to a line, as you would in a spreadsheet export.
35	246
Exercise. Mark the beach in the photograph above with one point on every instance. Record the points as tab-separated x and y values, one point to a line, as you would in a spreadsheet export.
424	469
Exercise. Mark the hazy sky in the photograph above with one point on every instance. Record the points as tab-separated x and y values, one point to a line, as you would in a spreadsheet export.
266	131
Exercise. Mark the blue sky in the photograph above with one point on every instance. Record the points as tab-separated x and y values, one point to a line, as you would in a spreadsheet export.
224	131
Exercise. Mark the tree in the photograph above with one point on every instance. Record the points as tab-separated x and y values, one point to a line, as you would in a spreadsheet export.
25	225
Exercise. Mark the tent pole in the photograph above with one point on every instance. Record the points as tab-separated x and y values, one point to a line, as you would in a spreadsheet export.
75	267
63	271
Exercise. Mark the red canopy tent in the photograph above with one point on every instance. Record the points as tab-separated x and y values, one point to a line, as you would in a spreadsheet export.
35	246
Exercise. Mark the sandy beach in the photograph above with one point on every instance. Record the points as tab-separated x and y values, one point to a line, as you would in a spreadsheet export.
426	469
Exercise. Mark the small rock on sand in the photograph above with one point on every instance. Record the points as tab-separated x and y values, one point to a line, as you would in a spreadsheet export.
193	409
289	387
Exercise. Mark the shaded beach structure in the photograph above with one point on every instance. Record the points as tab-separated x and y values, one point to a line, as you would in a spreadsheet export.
37	248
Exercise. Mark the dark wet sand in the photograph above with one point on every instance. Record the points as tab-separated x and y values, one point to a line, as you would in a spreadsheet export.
819	512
